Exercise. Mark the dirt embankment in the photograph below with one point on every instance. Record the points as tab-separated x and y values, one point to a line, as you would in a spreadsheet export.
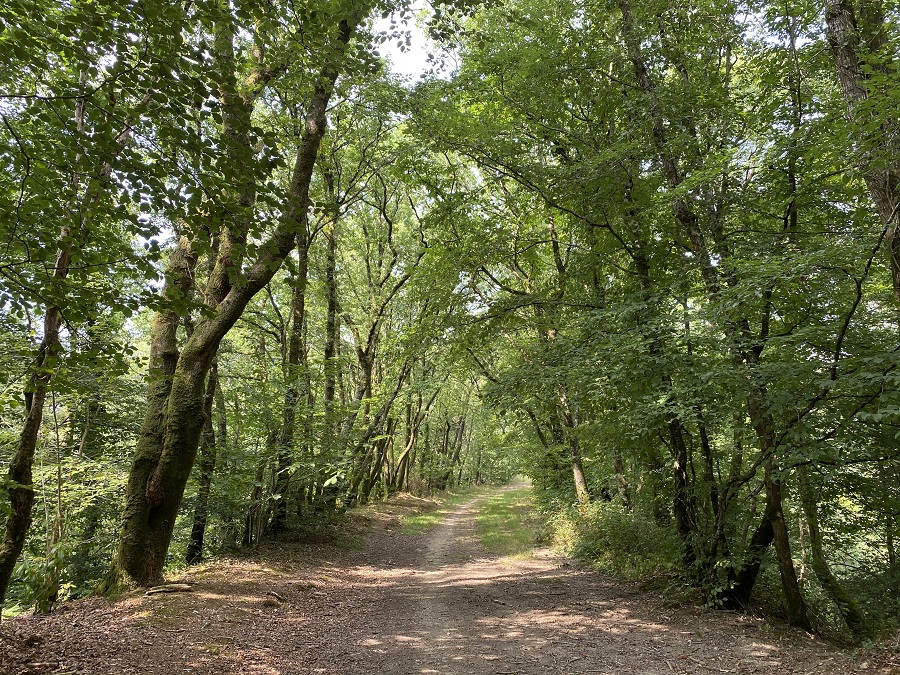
400	603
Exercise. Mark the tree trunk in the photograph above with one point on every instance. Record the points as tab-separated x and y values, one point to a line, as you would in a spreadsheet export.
362	450
735	329
253	520
159	474
846	605
207	467
380	454
333	431
570	423
21	491
331	318
624	489
681	506
296	374
737	596
401	470
848	52
681	510
796	607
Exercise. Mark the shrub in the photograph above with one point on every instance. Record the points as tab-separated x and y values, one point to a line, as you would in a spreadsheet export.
617	541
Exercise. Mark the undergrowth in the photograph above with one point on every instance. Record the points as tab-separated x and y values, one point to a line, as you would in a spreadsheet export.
616	542
632	546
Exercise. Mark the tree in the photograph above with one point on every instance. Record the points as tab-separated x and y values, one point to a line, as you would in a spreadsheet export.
174	418
865	61
619	249
93	107
686	307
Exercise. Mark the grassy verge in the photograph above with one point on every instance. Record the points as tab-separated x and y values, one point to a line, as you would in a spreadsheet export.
507	523
438	507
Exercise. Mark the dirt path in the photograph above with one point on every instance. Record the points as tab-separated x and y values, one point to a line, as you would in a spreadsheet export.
399	603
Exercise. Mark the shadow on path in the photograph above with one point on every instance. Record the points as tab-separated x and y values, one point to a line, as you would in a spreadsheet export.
457	609
432	603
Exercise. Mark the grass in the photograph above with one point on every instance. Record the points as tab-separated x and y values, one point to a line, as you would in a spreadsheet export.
507	523
439	507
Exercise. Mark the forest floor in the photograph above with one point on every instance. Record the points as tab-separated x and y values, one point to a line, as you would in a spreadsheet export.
400	601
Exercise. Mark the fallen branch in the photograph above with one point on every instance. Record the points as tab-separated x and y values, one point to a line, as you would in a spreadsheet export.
169	588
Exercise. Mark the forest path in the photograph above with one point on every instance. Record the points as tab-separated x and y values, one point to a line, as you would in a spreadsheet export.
461	610
429	603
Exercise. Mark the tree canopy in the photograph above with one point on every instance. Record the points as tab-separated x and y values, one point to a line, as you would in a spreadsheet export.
643	253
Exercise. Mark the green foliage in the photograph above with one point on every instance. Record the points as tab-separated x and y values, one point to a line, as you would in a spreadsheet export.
603	244
85	480
618	542
37	579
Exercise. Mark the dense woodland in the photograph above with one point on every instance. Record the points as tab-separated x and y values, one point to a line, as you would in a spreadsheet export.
644	253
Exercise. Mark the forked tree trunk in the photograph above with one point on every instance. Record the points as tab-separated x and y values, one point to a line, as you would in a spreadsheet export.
795	605
159	474
163	360
743	580
363	451
578	479
763	425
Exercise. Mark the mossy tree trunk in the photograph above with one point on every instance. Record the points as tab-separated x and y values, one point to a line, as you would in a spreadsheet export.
208	453
159	474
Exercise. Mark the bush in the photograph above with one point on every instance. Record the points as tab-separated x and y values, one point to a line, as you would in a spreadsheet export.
618	542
